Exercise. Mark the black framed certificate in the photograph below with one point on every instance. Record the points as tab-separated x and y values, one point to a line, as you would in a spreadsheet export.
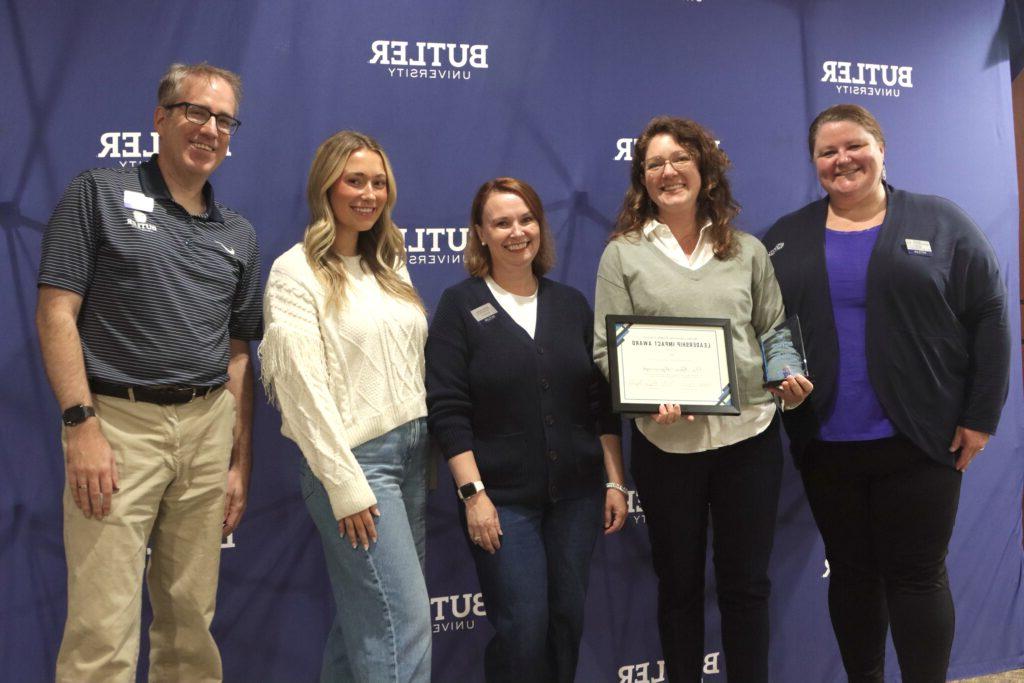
654	360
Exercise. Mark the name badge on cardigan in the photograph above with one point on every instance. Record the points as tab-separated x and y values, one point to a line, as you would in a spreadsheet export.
919	247
484	313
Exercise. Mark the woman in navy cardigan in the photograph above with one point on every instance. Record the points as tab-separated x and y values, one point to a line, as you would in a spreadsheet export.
905	325
517	405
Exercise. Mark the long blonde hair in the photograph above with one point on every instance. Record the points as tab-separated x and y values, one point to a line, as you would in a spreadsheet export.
381	247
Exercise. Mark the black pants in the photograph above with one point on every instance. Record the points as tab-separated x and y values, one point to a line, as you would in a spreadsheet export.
886	513
739	485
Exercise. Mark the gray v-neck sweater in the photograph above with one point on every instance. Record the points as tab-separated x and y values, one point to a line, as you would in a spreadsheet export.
635	278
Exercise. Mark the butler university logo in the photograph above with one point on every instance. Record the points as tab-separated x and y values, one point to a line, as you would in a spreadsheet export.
225	543
863	78
130	148
434	246
654	672
624	148
633	509
456	612
420	59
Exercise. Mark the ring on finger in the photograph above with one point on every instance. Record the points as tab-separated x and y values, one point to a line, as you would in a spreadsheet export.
83	486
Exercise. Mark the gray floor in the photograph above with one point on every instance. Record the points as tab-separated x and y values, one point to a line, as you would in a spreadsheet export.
1005	677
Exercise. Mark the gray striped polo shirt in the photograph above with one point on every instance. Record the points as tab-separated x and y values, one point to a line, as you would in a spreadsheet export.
163	291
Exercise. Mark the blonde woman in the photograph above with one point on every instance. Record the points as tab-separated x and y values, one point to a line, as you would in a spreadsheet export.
343	359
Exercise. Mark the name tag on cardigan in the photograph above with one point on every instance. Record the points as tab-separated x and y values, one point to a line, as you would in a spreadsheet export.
919	247
484	313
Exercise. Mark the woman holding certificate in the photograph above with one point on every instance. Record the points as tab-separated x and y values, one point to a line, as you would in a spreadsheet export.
517	406
904	315
675	252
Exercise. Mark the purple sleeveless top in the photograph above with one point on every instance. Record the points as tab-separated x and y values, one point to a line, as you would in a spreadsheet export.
857	415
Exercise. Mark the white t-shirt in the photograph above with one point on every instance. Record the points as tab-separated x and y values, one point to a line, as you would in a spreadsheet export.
522	309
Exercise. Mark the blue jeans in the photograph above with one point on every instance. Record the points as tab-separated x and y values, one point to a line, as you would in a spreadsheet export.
535	587
381	629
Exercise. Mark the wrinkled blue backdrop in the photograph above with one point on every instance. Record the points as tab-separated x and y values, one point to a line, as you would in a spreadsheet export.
551	92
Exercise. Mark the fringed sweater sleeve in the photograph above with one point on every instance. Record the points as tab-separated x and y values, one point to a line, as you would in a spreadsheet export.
296	376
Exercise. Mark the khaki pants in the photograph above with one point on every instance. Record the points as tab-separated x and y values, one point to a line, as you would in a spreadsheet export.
172	464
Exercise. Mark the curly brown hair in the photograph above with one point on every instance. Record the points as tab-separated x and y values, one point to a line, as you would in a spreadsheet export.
714	202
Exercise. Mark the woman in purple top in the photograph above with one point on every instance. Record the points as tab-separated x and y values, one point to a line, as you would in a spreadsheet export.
905	325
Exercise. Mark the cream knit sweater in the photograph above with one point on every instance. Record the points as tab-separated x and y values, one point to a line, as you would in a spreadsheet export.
341	378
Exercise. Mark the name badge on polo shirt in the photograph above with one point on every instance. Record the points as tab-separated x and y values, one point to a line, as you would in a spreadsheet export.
138	201
484	313
919	247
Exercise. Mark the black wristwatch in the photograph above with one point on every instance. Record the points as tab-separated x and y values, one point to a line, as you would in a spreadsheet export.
467	491
76	415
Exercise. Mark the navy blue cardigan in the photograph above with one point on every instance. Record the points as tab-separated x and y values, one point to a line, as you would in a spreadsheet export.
529	409
937	337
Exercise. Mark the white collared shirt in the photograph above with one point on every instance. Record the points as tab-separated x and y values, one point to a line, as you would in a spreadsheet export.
661	236
706	432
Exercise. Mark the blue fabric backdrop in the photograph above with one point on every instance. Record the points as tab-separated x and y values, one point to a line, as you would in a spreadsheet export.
552	92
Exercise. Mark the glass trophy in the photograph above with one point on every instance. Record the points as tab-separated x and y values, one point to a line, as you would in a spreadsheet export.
782	350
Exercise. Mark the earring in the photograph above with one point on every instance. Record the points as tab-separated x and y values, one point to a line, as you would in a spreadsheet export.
883	170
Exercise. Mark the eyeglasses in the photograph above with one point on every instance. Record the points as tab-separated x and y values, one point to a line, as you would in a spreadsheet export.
199	115
678	161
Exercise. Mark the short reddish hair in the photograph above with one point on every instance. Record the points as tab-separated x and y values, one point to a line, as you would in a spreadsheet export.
478	258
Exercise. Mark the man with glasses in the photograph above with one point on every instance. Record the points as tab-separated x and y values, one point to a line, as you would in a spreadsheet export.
148	300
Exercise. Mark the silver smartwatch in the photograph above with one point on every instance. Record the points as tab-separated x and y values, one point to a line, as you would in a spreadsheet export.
467	491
